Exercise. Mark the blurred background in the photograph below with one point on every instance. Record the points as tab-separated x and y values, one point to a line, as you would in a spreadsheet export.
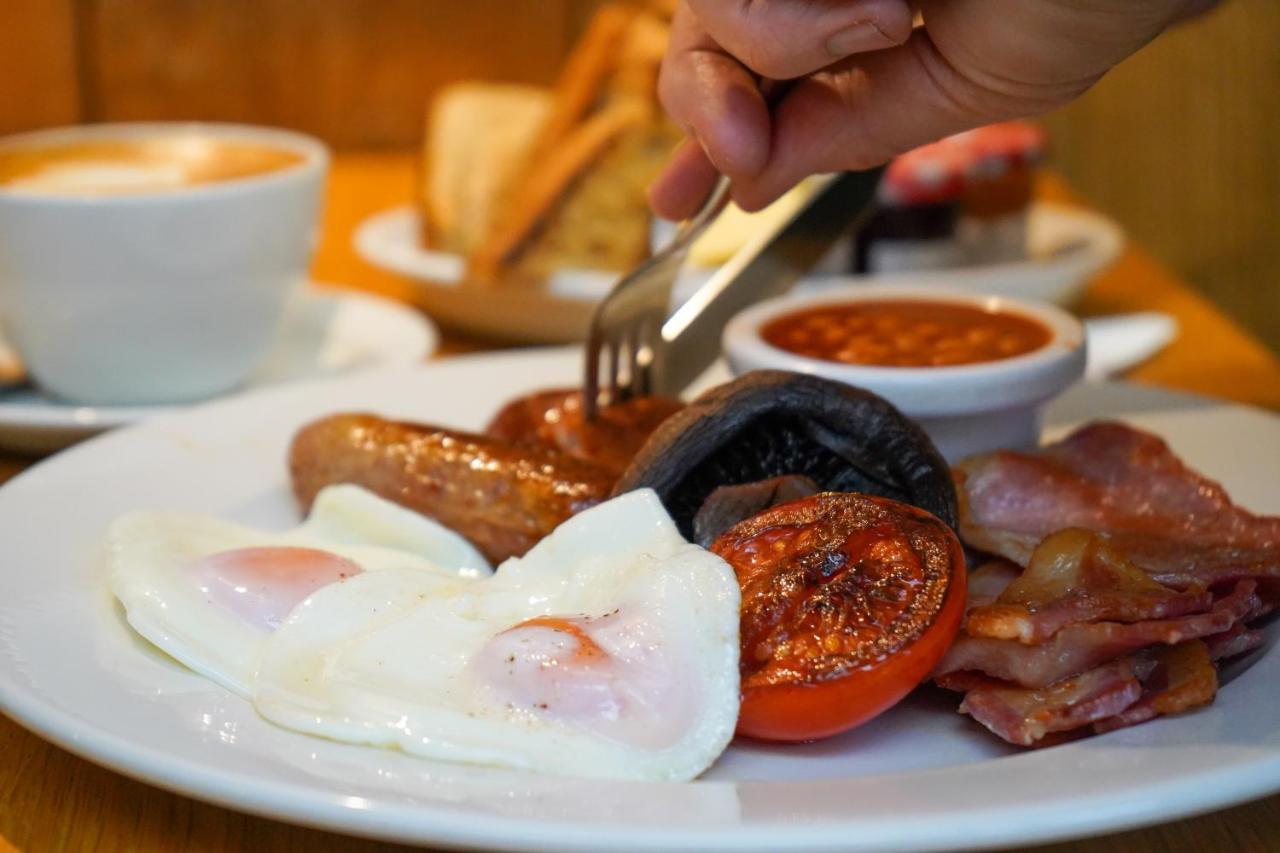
1180	144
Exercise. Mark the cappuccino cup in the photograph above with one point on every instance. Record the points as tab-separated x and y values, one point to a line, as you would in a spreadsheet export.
150	263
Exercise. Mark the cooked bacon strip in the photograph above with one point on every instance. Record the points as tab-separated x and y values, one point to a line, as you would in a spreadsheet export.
1083	646
1235	641
1024	716
964	680
1177	525
989	580
1178	678
1074	576
1268	601
1162	680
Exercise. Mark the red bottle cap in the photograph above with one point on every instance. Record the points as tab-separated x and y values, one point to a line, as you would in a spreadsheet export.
931	174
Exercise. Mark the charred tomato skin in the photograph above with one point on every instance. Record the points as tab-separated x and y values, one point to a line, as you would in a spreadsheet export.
848	603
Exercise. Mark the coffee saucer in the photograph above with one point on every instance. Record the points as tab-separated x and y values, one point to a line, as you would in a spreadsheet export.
325	331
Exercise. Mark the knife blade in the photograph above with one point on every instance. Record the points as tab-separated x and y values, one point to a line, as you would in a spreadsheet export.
768	265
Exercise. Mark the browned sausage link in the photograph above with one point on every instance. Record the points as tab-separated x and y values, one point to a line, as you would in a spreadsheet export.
500	497
554	419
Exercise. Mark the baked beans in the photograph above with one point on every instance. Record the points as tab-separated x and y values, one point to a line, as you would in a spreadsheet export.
892	333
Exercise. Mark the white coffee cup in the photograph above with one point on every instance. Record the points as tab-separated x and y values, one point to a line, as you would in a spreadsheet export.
146	294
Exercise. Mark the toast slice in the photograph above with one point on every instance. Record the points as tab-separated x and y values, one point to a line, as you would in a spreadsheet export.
552	223
583	205
479	138
524	182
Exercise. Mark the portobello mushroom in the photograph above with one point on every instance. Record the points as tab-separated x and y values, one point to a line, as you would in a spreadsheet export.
772	423
728	505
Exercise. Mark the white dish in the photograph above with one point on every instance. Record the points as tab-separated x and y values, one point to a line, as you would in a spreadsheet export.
1121	341
921	777
324	331
1068	246
966	409
556	311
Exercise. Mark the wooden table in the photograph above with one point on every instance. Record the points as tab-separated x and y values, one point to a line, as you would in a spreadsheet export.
51	800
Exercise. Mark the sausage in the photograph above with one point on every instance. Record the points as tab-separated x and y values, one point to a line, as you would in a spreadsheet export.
501	497
554	419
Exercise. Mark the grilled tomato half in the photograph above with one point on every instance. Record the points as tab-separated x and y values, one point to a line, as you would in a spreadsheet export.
848	602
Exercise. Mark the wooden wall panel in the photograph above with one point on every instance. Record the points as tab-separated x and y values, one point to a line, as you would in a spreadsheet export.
355	72
38	84
1182	145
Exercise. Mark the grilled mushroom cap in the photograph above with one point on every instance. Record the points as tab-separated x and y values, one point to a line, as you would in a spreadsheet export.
771	423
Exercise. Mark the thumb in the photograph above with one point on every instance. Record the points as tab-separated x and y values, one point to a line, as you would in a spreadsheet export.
782	39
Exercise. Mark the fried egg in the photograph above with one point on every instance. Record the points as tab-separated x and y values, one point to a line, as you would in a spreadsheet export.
209	592
609	650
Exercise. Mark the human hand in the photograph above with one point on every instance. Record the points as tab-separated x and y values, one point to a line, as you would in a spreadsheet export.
867	85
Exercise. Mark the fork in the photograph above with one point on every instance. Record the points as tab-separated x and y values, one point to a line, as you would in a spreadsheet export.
626	328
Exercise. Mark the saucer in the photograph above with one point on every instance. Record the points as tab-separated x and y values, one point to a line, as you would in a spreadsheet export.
325	331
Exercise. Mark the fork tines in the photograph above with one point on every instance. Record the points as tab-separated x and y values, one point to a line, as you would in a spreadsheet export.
626	329
624	345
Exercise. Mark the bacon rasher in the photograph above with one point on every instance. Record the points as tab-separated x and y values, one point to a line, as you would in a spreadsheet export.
1124	692
1140	574
1081	646
1177	525
1075	576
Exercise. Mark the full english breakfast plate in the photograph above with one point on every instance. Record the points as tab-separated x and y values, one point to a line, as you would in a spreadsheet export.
102	656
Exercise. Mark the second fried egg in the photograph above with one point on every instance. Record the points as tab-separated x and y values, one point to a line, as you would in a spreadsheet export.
609	650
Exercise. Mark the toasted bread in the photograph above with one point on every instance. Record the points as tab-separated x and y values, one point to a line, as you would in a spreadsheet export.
570	193
584	205
585	73
478	139
543	188
604	222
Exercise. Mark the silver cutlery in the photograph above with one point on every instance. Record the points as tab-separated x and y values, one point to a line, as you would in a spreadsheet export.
626	329
646	352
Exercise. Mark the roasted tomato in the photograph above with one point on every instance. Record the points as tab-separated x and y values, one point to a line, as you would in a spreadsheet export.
848	602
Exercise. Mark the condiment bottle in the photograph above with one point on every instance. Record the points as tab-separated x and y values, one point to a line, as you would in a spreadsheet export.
999	171
915	226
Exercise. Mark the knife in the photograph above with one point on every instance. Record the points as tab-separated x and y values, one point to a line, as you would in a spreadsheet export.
767	266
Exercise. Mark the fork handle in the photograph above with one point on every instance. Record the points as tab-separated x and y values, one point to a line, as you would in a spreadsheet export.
715	202
772	91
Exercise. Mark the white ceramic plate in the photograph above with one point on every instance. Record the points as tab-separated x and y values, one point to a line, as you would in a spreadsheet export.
1068	246
324	331
920	777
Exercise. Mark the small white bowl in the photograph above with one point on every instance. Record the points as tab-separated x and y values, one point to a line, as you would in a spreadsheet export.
965	409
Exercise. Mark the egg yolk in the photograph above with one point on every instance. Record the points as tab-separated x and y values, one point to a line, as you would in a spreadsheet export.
611	674
551	663
261	585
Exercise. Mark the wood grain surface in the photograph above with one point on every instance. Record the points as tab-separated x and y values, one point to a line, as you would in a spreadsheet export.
51	800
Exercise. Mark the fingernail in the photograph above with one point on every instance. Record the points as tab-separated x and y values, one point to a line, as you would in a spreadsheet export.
706	151
858	38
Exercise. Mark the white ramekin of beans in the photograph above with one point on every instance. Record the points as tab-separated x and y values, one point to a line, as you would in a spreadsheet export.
975	371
